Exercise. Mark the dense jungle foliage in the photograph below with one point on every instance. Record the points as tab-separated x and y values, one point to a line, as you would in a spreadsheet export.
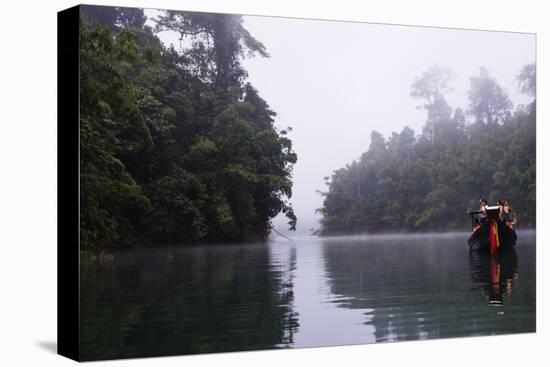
426	182
175	145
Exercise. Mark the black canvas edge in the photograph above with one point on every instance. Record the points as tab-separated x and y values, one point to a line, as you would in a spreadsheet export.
68	184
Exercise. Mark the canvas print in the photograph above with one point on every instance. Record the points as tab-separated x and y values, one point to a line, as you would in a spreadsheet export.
250	183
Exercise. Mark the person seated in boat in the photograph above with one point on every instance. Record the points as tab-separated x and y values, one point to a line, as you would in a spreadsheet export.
479	216
507	215
500	204
482	212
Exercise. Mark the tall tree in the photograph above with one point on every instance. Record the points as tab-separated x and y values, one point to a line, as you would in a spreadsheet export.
222	42
489	103
527	80
431	87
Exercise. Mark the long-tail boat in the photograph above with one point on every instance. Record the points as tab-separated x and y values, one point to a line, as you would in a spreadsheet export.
489	233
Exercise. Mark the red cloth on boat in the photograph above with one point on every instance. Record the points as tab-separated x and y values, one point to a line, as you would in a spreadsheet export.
493	237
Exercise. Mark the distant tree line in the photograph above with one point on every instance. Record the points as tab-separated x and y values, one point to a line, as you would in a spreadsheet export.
427	182
175	145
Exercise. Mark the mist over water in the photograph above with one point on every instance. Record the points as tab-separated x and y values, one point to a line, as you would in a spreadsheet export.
305	293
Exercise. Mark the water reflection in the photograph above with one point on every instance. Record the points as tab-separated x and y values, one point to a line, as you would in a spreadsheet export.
396	284
311	292
498	274
427	287
187	300
322	321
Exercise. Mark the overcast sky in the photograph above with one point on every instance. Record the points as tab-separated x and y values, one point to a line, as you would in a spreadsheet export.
335	82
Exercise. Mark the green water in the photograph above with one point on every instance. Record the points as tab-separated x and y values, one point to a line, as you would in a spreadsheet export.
311	292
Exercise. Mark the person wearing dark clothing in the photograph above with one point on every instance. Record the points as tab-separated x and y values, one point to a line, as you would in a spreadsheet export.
482	212
507	215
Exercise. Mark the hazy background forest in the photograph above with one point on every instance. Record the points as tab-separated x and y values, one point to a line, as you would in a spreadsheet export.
178	144
429	181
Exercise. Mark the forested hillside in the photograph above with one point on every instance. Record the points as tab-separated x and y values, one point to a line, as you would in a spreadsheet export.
426	182
175	145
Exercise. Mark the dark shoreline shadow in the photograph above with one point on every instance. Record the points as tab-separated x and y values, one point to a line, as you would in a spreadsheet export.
48	345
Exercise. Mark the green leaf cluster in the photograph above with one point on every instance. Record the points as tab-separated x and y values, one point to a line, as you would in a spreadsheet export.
168	154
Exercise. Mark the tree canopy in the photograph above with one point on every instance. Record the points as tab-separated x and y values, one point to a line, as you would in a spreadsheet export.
175	145
424	182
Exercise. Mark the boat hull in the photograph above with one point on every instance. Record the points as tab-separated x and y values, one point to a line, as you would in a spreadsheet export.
480	239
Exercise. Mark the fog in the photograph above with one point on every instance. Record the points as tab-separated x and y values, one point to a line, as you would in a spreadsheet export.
335	82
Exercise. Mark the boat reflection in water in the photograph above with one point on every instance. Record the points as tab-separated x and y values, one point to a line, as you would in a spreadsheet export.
425	287
498	273
307	293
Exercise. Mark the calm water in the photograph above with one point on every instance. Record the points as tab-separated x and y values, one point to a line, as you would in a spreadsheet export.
311	292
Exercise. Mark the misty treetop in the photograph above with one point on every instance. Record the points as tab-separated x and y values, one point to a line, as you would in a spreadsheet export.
425	182
175	145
